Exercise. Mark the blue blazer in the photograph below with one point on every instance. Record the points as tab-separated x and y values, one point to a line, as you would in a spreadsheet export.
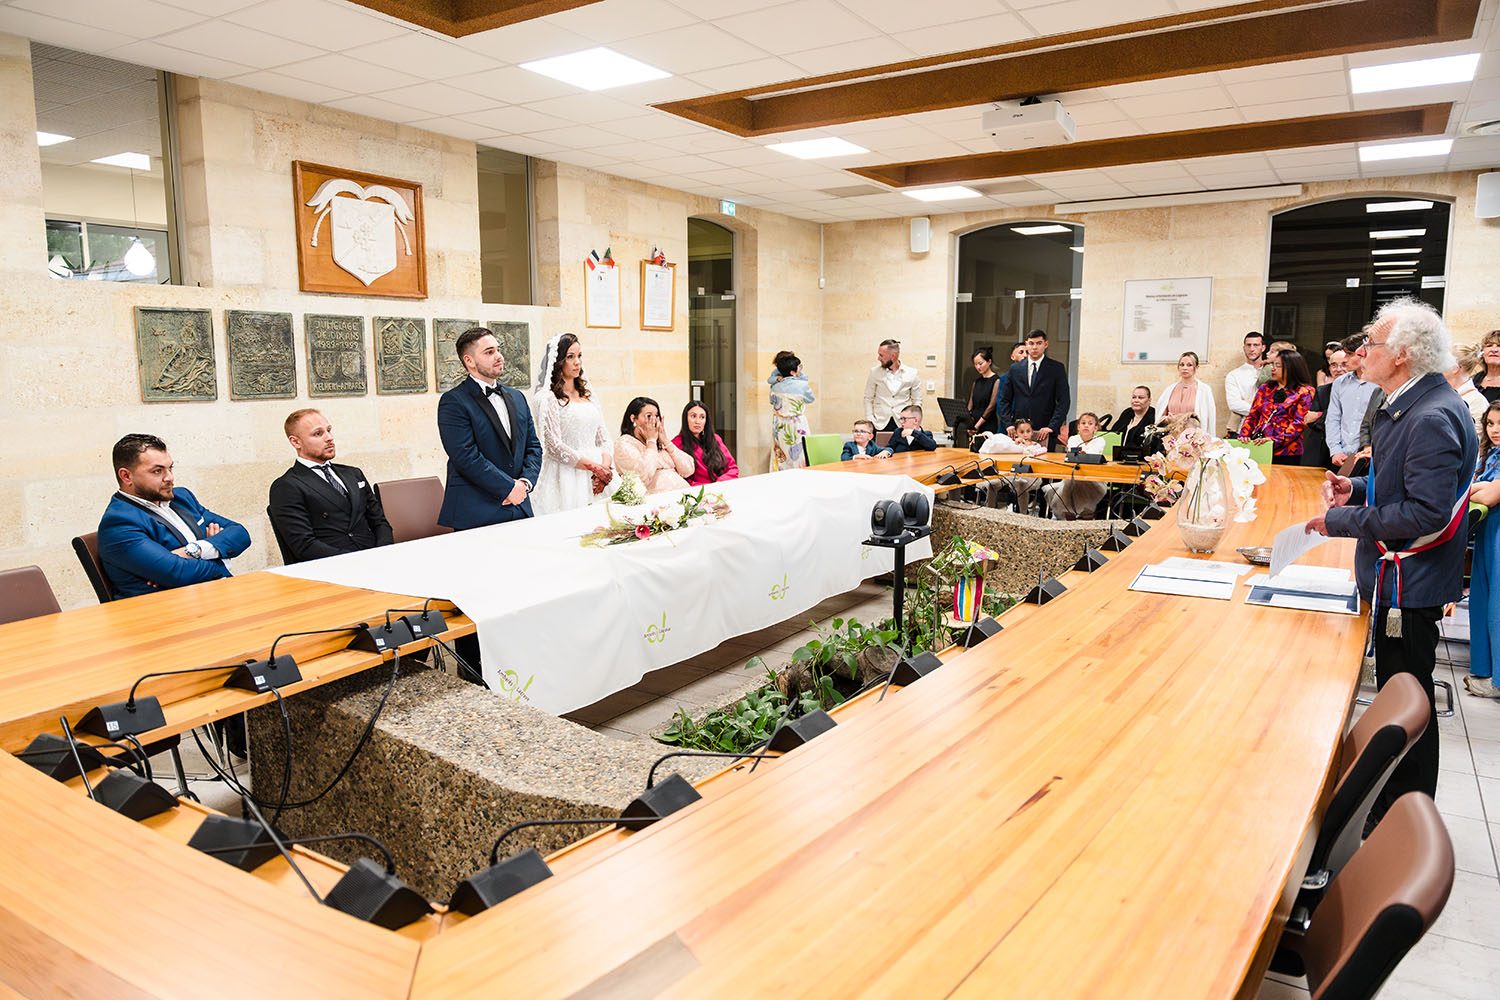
1424	451
1044	404
483	461
851	449
135	545
920	441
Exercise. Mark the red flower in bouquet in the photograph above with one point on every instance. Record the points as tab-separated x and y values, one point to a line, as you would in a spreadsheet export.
643	531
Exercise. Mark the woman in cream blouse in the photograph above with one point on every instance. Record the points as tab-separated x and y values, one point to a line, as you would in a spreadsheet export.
644	448
1188	395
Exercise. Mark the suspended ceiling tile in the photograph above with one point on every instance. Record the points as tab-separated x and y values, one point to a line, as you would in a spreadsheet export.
423	56
329	25
39	27
894	16
1181	102
690	48
1109	130
255	48
1456	92
654	125
1296	88
159	56
1296	109
1094	112
514	120
523	144
1079	15
512	85
1283	70
850	56
375	108
525	41
1194	120
138	19
799	25
716	143
437	98
579	137
272	82
212	8
673	88
613	20
348	74
454	127
585	108
1164	186
755	73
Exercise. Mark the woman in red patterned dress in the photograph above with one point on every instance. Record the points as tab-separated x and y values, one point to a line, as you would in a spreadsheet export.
1280	408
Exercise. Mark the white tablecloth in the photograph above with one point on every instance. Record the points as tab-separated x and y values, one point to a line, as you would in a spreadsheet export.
562	626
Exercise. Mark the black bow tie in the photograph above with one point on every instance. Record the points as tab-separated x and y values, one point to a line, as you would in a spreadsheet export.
493	390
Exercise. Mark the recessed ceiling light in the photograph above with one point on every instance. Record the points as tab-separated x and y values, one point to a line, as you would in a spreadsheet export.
1389	274
1396	263
1040	230
51	138
1398	206
1418	73
817	149
952	192
135	161
1396	234
1076	249
596	69
1405	150
1392	251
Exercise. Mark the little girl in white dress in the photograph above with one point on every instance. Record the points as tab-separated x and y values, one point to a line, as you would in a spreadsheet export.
577	449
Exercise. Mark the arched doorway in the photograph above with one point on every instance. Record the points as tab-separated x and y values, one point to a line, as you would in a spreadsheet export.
712	348
1013	278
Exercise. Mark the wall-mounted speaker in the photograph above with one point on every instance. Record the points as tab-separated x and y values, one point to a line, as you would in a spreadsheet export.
1486	198
921	235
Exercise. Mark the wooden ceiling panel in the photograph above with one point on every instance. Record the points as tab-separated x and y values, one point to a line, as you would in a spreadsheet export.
457	18
1202	42
1254	137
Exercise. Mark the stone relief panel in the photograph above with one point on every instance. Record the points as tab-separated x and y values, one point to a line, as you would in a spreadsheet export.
175	355
400	355
515	344
445	364
335	355
262	360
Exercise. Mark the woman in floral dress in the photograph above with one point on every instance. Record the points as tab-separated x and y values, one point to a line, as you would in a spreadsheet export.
790	395
1280	408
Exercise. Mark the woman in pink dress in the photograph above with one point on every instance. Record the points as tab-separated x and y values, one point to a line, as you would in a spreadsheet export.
644	449
712	462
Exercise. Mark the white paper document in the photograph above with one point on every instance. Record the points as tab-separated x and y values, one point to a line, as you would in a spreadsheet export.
1306	588
1186	582
1291	544
1231	569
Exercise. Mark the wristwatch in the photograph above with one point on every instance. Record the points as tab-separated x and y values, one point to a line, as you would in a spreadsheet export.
195	549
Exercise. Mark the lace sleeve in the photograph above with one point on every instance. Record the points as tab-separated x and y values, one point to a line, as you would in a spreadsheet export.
553	444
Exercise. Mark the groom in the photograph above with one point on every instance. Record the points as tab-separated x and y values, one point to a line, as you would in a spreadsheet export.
494	456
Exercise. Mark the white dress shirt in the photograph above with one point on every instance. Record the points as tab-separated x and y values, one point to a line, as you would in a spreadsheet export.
888	391
206	548
1239	393
497	404
324	471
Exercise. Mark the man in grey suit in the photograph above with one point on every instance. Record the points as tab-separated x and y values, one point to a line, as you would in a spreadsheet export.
1409	513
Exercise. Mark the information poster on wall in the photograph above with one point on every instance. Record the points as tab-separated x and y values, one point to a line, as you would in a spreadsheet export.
658	295
601	295
1165	317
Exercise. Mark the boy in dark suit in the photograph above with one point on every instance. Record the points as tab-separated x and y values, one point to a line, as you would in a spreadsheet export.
863	446
909	434
1036	387
155	535
494	455
318	508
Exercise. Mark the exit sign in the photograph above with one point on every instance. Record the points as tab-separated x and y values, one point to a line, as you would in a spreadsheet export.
726	208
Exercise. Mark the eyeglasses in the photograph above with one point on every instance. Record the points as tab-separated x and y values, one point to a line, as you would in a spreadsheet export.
1367	343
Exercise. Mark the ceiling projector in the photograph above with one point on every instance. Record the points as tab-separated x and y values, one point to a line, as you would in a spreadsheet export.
1029	126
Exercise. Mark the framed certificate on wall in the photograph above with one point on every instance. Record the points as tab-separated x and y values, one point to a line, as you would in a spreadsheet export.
601	295
658	296
1164	317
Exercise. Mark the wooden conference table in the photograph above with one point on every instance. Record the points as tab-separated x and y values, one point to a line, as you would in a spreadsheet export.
924	467
1106	799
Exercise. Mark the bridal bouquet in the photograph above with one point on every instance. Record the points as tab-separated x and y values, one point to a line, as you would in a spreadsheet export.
636	521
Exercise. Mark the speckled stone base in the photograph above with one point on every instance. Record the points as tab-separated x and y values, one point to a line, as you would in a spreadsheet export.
448	767
1025	544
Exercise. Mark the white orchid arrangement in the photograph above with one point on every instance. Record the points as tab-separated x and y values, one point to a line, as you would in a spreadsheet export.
1189	457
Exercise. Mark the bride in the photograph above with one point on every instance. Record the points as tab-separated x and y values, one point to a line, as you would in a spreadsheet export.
576	446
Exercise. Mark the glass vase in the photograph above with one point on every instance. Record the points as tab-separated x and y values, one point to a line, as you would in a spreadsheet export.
1206	506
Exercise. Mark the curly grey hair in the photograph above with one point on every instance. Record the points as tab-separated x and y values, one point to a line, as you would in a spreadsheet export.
1417	327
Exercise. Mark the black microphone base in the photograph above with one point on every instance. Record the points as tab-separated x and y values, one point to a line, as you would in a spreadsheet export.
658	802
499	882
382	636
980	631
1047	590
426	623
120	718
1116	542
132	796
370	893
914	668
254	843
261	676
1135	527
791	735
1091	560
50	755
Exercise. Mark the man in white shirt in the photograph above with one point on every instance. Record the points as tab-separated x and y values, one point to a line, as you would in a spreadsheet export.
1241	383
891	387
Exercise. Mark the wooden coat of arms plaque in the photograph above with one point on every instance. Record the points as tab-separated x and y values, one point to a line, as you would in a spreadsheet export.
358	233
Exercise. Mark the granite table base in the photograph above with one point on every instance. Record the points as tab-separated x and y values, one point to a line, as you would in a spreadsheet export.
448	766
1026	545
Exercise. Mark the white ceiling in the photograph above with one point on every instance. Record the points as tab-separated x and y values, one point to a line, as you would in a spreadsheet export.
335	53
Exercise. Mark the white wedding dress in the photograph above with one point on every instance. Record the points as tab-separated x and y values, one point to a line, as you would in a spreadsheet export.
569	432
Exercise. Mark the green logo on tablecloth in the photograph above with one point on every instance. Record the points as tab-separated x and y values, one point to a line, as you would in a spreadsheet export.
658	633
511	686
779	590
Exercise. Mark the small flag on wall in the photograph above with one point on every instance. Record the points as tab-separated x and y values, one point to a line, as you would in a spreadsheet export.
593	260
657	257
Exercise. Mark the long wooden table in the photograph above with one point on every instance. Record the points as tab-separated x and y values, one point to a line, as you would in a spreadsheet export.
1107	799
924	466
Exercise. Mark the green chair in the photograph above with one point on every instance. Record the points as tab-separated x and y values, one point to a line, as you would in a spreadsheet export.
1260	451
1111	442
823	448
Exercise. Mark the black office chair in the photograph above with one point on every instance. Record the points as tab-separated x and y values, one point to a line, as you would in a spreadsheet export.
286	554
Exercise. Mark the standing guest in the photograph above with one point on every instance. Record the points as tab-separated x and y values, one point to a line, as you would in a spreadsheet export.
712	462
890	386
1240	384
1133	421
1325	373
1347	402
1016	354
154	534
1071	500
1463	384
1280	408
1484	584
911	436
494	457
1036	388
577	457
644	449
1408	513
1188	395
984	396
1314	431
790	394
1487	380
863	447
318	508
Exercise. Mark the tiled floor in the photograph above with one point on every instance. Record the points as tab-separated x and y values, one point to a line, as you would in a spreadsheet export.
1460	956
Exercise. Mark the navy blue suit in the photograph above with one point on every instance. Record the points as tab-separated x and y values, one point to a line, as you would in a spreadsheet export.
136	544
484	461
1045	404
920	441
851	449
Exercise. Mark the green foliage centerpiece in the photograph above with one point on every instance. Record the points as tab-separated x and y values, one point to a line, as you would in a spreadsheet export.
635	521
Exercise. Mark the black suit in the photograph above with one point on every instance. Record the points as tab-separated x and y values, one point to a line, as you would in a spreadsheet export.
1315	432
314	519
484	459
1044	403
